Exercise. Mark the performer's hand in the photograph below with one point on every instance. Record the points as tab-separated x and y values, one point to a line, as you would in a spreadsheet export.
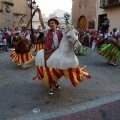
37	9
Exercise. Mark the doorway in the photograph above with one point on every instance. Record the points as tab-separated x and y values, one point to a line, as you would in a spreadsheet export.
101	20
82	23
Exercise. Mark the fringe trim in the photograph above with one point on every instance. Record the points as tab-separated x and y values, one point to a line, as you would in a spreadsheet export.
74	74
38	47
21	58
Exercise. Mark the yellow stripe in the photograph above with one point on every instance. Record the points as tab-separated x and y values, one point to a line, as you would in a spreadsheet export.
74	75
66	73
55	78
40	77
45	76
24	57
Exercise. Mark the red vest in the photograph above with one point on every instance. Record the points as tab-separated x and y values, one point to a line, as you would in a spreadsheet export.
24	33
49	39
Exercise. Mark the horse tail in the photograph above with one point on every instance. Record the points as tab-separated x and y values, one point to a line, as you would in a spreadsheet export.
29	63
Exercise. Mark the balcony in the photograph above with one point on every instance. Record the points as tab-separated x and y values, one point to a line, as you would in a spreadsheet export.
104	4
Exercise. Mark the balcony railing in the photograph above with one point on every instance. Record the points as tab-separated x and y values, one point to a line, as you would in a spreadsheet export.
109	3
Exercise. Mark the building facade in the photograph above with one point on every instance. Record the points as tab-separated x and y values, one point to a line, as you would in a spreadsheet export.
11	11
84	14
59	14
110	9
89	14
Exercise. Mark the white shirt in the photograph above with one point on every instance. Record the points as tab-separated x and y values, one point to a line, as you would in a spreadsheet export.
4	42
116	33
24	33
107	35
55	43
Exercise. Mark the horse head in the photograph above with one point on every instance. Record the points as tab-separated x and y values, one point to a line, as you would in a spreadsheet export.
72	36
38	39
21	44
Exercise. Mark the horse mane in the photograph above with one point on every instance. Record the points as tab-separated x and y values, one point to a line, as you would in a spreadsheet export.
68	28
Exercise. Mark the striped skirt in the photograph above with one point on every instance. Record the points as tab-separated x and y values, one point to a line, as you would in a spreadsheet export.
38	47
21	58
109	49
74	74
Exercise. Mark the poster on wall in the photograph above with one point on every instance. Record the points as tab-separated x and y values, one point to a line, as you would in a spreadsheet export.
91	24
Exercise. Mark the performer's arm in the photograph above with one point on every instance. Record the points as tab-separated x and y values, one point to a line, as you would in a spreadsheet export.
21	21
40	17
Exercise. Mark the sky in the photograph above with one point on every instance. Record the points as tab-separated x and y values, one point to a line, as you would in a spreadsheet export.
49	6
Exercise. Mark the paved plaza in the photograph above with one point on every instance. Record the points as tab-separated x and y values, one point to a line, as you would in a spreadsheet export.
20	95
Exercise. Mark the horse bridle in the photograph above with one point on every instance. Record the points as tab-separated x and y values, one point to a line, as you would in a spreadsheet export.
18	41
74	42
70	41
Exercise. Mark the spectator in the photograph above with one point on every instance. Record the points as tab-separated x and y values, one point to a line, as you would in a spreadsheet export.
94	37
5	43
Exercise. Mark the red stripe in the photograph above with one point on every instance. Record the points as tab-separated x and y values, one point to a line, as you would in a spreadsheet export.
71	76
61	72
12	55
88	76
39	72
35	77
19	61
22	57
48	73
78	73
15	58
56	73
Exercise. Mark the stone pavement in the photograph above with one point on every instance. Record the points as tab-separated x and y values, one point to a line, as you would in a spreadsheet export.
108	111
19	94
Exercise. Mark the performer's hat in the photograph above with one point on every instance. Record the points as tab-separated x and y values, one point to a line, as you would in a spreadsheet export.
114	29
24	25
53	19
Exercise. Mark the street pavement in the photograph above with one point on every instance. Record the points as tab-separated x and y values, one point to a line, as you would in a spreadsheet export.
96	97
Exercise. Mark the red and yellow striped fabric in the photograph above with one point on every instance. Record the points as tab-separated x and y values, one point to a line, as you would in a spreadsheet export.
74	74
38	47
21	58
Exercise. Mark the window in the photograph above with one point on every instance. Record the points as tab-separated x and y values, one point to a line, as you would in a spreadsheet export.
8	16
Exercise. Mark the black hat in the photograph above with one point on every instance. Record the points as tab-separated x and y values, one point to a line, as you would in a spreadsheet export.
53	19
114	29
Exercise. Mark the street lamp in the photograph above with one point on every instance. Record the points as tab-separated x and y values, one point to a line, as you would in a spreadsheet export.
66	17
31	4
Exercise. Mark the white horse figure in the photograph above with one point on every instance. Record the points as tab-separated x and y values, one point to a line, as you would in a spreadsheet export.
63	57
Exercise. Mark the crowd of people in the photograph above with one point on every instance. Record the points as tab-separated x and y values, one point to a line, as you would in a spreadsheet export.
6	35
90	38
106	44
